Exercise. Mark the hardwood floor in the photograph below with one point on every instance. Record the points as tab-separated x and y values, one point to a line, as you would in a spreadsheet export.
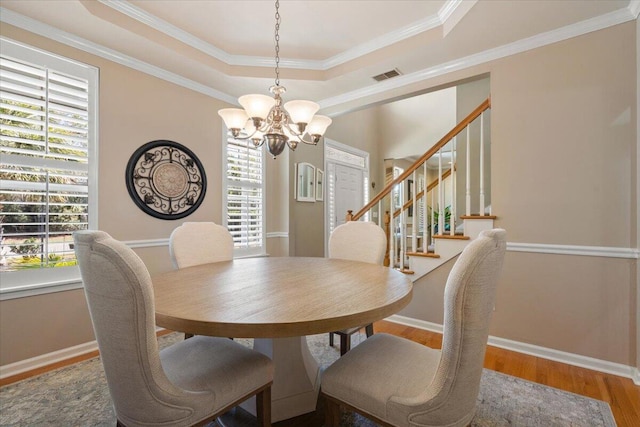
621	393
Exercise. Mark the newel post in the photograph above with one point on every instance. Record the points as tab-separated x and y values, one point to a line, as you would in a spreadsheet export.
349	216
387	221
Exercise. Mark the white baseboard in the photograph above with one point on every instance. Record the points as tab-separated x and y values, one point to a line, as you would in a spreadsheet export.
50	358
46	359
534	350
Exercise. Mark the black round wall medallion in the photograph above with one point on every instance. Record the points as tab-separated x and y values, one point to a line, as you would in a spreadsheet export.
166	180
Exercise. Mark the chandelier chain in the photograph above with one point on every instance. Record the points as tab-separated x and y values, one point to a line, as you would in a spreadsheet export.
277	39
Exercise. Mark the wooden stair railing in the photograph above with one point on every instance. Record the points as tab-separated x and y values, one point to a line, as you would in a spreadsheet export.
426	156
411	171
430	187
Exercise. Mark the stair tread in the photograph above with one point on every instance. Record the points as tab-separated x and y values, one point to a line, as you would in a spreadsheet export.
478	217
448	236
405	271
422	254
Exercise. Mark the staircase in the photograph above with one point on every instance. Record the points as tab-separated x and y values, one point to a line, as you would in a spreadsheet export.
422	222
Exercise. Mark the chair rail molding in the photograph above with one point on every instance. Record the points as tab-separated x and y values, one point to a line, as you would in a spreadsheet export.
598	251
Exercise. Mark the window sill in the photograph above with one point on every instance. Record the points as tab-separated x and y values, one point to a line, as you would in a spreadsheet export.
39	289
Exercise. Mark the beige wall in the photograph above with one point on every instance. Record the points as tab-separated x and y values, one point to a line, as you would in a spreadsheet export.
468	96
307	220
277	204
135	108
563	173
410	127
563	153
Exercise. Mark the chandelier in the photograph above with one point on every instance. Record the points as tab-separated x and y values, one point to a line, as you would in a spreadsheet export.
264	119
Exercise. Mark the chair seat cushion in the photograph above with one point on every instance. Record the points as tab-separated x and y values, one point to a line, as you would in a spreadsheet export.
219	365
378	369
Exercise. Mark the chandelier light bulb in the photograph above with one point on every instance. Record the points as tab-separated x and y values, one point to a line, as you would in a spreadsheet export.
301	111
234	118
318	125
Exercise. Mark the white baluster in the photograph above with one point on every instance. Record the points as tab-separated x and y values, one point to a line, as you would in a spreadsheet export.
403	231
433	216
425	216
414	209
453	196
440	195
454	191
481	164
468	171
392	234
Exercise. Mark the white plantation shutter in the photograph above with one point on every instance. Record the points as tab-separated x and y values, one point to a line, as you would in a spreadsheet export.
46	137
245	196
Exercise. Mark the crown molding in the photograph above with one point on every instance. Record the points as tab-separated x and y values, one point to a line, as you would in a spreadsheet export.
37	27
540	40
174	32
634	8
385	40
543	39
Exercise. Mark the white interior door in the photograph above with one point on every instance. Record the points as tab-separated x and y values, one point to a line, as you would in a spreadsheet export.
349	185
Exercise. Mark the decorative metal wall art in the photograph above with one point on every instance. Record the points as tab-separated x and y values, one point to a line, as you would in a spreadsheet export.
166	179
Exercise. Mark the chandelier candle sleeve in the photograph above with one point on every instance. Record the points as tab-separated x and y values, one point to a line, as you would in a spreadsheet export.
264	119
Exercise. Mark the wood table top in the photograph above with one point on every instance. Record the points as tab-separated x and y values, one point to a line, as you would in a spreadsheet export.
274	297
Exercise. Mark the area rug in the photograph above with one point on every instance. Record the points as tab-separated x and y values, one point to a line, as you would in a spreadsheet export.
77	395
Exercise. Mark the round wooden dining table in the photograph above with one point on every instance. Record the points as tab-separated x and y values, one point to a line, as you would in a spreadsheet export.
278	301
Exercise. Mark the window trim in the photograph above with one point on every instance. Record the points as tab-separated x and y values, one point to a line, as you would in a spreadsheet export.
243	252
19	284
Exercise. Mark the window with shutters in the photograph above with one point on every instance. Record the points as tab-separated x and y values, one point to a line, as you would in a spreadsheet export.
47	142
244	196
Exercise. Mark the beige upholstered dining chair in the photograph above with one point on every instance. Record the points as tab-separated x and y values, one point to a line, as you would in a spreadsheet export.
195	243
187	383
356	241
398	382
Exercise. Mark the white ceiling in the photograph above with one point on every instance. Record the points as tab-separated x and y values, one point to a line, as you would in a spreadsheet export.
329	49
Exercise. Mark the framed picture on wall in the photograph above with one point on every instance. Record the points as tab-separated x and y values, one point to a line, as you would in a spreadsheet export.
319	185
305	182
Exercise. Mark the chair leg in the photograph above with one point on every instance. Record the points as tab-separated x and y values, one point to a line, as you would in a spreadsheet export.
345	344
331	339
263	407
369	329
331	413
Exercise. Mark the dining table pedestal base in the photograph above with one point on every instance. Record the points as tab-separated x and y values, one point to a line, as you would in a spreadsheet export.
296	380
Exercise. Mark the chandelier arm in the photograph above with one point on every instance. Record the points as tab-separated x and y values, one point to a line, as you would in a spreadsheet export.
244	138
314	140
294	132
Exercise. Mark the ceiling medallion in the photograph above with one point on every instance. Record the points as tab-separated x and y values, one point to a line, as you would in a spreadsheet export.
166	179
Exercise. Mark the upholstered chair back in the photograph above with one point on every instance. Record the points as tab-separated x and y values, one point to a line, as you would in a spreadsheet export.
358	241
121	303
195	243
469	301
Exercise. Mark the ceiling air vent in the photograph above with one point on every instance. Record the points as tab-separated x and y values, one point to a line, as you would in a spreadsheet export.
387	75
